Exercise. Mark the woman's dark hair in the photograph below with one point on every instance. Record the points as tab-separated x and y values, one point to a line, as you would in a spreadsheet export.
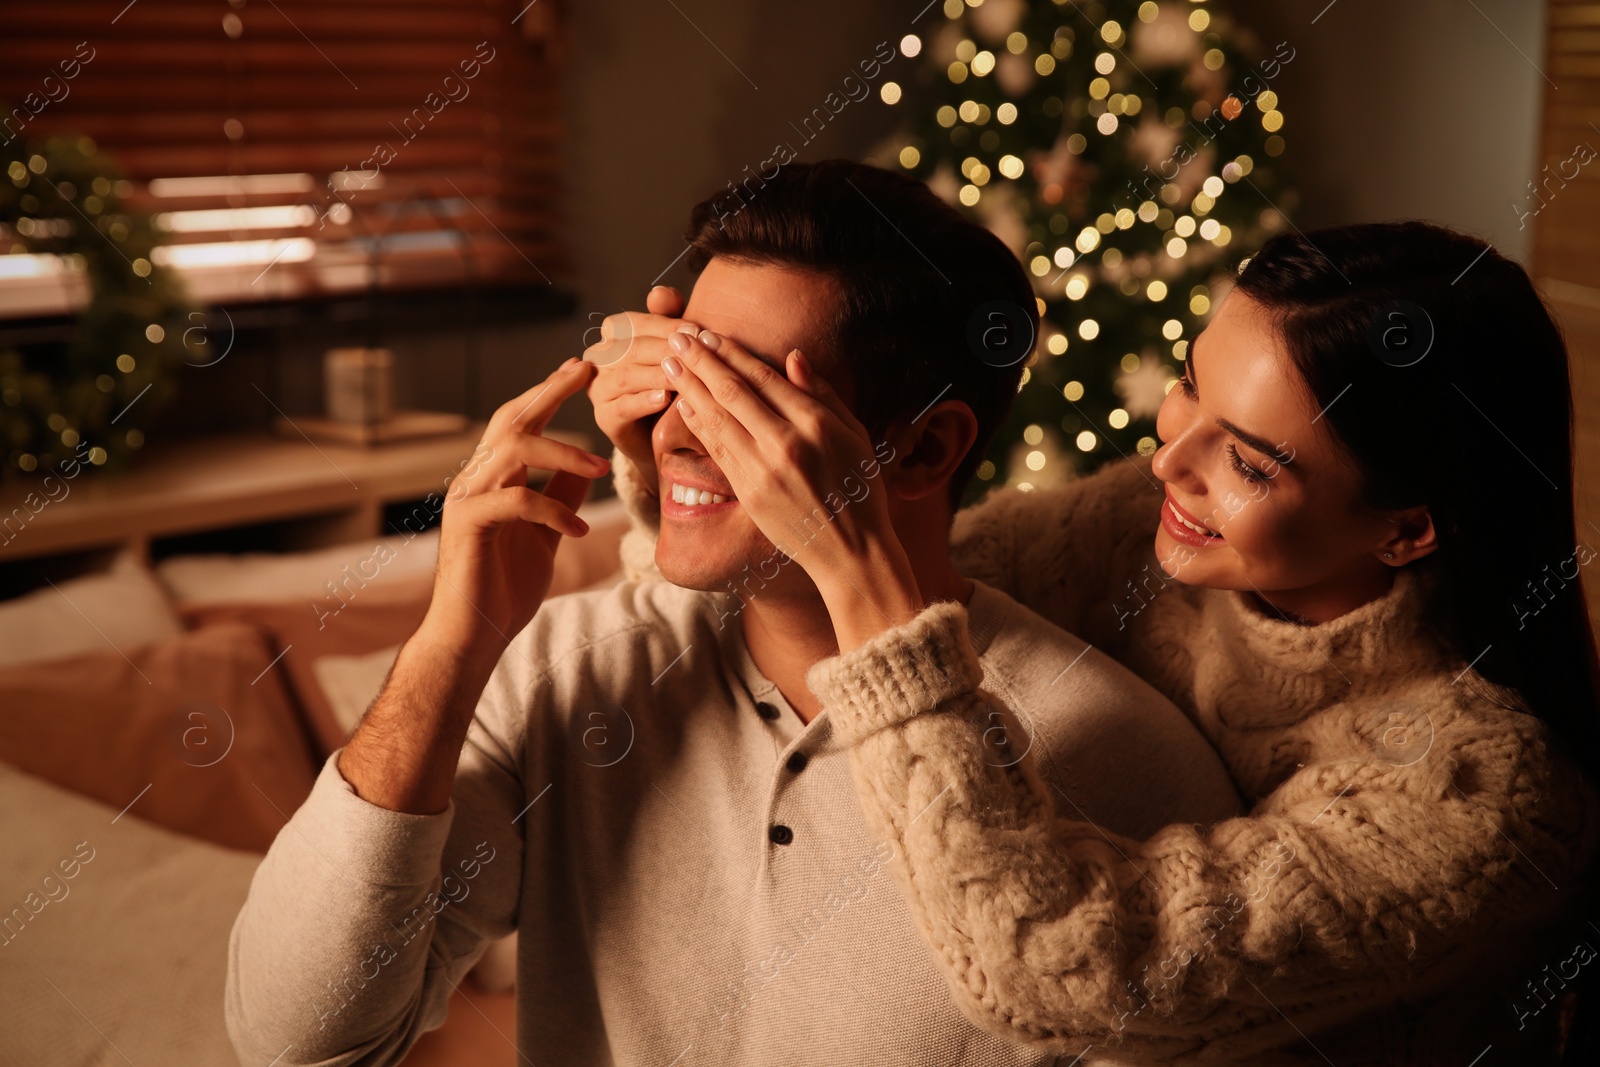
1452	389
915	277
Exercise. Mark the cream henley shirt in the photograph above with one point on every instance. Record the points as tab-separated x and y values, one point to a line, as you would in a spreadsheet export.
686	862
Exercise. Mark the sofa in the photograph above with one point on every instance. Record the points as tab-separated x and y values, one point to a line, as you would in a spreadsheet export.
158	725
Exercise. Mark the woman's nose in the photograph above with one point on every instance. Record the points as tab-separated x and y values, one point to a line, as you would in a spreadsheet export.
1172	461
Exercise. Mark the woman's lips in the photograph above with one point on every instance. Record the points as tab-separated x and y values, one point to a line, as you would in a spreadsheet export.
1181	524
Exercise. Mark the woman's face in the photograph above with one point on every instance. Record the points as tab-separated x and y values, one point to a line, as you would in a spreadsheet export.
1247	458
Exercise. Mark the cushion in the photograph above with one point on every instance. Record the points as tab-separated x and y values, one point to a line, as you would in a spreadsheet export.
194	733
122	608
305	631
350	683
262	577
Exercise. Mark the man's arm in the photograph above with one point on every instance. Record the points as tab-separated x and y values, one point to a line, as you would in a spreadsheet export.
381	891
497	547
362	920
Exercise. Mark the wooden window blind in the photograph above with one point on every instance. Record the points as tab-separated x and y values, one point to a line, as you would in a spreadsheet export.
1564	201
1564	195
290	148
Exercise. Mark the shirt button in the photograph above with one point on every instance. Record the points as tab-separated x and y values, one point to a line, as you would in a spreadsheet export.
796	762
767	711
780	834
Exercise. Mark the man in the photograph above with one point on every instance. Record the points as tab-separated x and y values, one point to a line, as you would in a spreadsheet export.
637	781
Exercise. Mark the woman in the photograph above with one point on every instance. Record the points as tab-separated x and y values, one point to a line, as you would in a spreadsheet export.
1346	564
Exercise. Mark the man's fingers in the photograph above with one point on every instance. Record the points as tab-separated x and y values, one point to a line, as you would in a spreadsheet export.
520	504
532	410
544	454
567	489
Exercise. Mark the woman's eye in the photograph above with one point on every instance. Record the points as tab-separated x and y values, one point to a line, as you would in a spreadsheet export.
1245	471
1187	385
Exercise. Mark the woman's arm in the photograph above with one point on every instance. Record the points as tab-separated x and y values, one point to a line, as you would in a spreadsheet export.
1343	888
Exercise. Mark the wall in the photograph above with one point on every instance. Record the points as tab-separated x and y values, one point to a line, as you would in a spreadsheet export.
1418	109
1394	109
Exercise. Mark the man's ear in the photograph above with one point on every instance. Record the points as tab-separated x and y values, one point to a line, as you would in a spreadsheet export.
928	451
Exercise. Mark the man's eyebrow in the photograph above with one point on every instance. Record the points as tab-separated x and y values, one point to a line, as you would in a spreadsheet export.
1260	444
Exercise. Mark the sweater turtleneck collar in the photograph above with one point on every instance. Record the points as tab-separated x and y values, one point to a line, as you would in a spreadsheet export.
1318	663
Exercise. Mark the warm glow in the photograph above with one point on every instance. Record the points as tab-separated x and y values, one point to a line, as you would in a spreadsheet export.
236	253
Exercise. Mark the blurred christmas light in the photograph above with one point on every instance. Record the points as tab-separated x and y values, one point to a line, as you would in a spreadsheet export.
1118	141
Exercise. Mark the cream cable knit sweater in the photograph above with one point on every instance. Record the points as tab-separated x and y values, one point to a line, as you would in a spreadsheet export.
1400	816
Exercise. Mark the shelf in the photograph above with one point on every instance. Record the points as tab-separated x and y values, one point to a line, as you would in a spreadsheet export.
312	494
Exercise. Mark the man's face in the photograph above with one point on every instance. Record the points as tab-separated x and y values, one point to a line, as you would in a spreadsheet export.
769	310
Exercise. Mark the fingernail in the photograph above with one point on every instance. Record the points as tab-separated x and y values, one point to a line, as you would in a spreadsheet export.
679	343
687	327
683	406
658	397
672	367
710	340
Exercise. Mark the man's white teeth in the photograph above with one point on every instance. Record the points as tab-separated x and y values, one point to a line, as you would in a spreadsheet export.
683	494
1192	526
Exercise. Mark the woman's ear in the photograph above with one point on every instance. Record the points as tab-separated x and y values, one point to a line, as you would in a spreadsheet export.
1412	536
928	451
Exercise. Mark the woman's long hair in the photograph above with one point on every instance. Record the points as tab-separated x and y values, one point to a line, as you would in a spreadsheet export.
1445	379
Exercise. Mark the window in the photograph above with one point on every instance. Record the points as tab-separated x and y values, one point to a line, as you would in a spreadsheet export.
290	148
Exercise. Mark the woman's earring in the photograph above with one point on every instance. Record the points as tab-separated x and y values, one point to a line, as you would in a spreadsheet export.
1388	555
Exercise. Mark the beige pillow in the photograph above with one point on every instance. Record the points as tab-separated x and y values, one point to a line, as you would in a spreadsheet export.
350	683
265	577
116	611
375	564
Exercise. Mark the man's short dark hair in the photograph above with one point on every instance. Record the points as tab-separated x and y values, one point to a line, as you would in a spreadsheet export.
929	300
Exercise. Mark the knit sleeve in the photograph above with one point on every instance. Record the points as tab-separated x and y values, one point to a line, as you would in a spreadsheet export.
1032	545
1355	882
643	508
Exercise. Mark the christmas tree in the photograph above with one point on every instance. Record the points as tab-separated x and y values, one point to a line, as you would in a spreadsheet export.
1125	151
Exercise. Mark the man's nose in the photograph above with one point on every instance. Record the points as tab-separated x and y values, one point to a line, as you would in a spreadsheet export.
672	434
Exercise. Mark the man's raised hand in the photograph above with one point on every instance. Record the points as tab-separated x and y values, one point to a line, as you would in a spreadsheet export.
498	538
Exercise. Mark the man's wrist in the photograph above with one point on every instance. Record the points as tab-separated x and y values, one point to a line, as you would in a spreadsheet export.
404	753
465	658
